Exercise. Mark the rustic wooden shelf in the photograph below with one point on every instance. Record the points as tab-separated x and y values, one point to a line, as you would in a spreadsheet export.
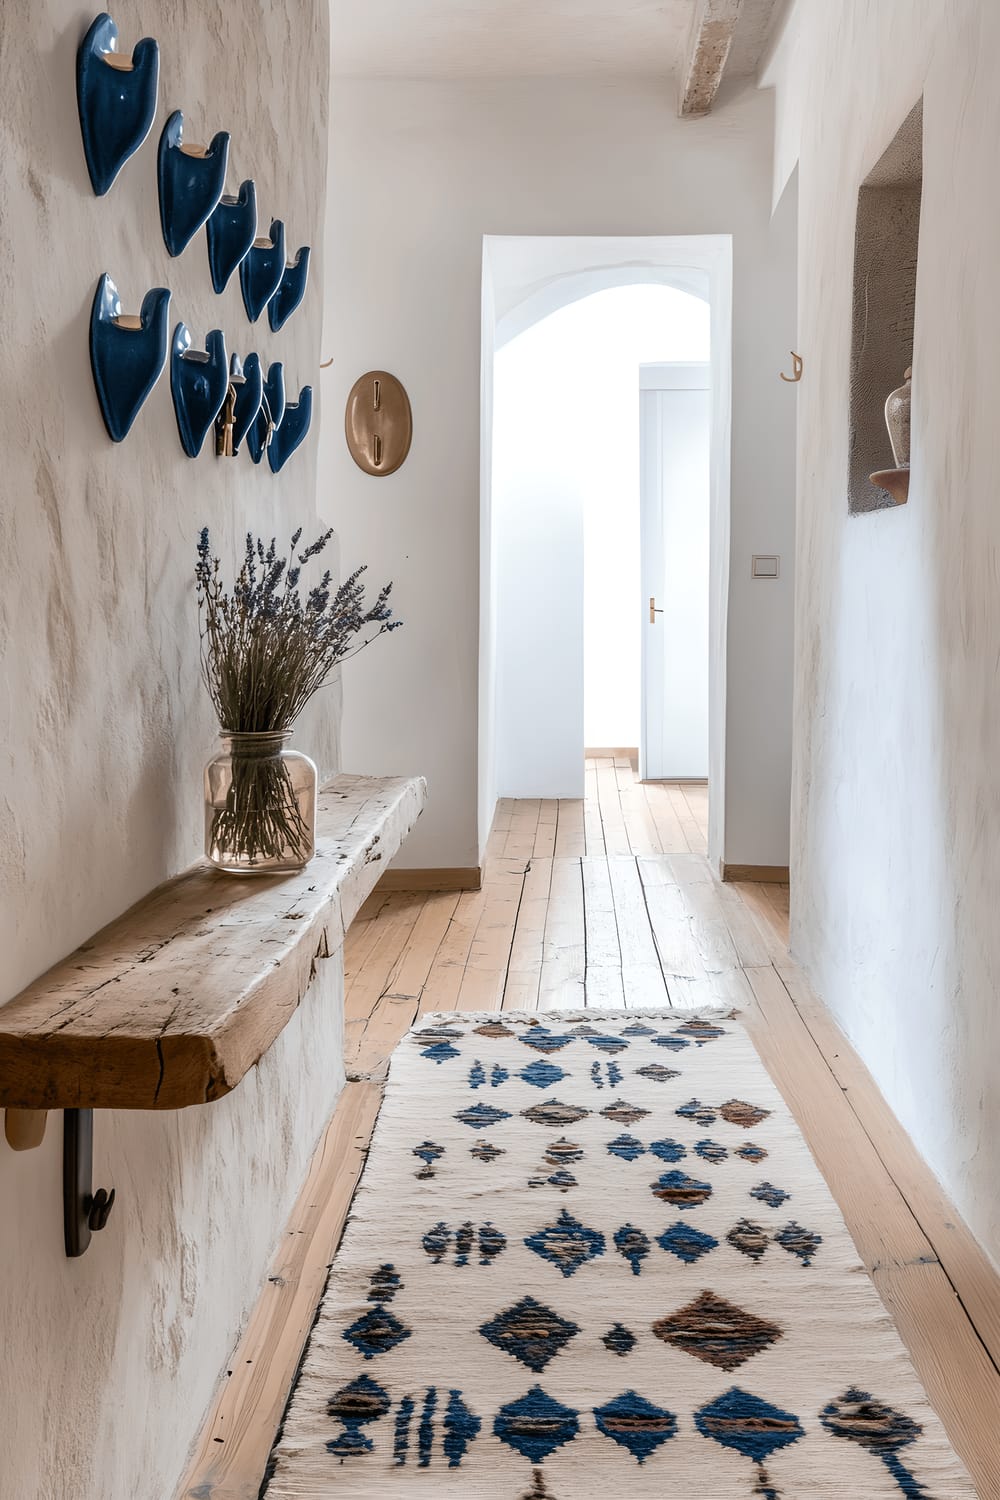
175	1001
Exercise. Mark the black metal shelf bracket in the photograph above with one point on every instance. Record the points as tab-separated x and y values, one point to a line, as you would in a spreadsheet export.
84	1211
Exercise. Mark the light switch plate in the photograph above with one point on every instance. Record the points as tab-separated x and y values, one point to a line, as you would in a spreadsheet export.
765	567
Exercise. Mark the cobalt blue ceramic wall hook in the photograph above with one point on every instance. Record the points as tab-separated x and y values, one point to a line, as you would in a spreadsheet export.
294	426
262	269
231	228
116	97
291	290
191	180
272	410
199	380
127	353
249	395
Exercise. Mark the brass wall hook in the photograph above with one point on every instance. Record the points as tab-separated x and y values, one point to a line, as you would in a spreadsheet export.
378	423
325	364
796	375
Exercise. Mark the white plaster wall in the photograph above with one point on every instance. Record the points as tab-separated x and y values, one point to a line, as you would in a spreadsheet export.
538	541
420	171
107	1363
486	790
896	848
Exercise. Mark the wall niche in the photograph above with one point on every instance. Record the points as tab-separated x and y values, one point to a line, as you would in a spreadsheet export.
885	286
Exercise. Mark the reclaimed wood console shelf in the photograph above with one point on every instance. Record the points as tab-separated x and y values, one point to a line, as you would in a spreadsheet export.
173	1003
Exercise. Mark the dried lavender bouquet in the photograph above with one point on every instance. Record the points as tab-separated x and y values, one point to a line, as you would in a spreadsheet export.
265	650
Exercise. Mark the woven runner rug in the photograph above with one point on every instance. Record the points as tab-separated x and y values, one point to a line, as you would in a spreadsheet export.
591	1256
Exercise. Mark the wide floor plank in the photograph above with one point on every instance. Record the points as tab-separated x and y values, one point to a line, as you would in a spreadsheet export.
564	953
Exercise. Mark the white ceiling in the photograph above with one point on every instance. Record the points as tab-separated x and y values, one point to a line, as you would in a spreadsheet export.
515	38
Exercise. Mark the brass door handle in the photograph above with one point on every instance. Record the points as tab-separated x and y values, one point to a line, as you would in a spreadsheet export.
653	611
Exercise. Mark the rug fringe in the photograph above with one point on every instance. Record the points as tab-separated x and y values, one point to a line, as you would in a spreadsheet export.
716	1012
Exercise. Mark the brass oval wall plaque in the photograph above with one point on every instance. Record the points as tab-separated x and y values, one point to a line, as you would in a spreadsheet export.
378	423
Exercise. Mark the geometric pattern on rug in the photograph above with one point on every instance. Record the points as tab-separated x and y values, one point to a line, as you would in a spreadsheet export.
591	1251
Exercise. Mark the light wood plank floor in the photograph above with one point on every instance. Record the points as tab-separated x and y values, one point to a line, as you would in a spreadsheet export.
611	901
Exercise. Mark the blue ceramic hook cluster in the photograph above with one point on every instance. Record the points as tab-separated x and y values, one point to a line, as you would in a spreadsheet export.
117	101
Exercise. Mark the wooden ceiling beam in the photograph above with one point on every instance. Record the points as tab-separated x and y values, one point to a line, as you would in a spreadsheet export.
707	54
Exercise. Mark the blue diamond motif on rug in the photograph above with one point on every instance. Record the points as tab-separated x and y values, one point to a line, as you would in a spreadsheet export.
798	1241
568	1244
608	1043
544	1040
636	1424
633	1244
428	1151
668	1150
700	1031
484	1151
627	1147
552	1112
742	1421
711	1150
672	1043
766	1192
562	1180
619	1340
680	1190
857	1415
657	1072
531	1332
440	1052
536	1425
750	1152
376	1332
540	1074
701	1114
356	1405
686	1242
478	1116
461	1427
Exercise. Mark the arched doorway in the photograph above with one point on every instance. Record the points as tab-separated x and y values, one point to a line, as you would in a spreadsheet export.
566	326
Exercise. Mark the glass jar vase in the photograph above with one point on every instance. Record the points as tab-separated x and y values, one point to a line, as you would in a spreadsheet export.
260	805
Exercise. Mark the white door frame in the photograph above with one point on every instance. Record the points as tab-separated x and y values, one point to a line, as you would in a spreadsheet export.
526	278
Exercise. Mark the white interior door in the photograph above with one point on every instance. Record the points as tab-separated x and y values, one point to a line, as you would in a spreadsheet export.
675	446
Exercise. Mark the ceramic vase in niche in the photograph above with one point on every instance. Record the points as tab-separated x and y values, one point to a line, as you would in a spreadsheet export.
260	805
897	419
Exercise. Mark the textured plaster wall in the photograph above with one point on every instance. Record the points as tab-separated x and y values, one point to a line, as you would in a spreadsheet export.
423	170
107	1363
896	815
